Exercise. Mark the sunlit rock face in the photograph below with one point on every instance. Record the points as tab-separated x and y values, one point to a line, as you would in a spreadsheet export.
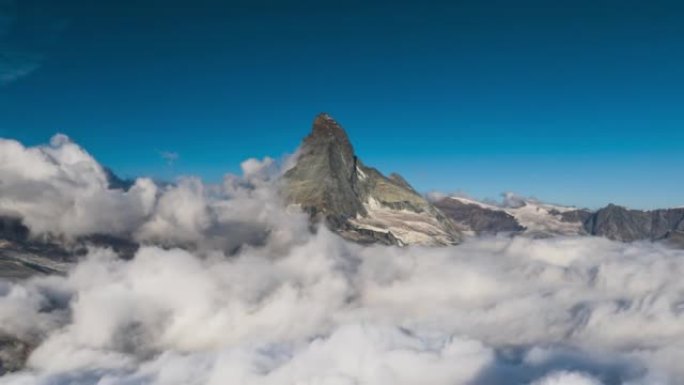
331	183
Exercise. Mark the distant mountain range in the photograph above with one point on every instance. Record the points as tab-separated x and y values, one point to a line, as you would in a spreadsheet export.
331	183
533	218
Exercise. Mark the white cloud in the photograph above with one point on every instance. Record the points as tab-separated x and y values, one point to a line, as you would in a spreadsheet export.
61	189
567	378
323	311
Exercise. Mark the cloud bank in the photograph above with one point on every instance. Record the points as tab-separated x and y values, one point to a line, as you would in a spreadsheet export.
260	299
491	311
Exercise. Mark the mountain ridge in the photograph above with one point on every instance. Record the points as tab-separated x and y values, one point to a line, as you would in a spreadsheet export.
614	222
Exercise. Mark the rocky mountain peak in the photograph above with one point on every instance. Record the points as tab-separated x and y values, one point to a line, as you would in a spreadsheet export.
325	176
325	125
330	182
328	136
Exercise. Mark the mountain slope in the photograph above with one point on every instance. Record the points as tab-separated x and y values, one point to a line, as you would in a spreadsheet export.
356	201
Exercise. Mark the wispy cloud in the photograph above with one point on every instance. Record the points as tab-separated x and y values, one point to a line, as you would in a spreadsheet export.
169	156
16	65
24	40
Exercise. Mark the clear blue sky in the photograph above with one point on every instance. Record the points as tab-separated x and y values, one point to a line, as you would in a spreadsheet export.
577	102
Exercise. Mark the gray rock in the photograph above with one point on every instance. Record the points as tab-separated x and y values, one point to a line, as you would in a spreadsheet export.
621	224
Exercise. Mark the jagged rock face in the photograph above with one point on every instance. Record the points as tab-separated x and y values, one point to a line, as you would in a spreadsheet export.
357	201
478	219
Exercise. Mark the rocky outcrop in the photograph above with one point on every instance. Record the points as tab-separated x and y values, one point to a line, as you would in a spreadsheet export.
333	185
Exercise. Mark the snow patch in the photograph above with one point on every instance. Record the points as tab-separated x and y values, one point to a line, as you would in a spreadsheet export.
407	226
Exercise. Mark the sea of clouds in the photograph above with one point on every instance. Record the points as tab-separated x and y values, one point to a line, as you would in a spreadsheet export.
256	297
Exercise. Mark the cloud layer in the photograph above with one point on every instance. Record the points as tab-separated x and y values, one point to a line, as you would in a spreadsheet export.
260	299
491	311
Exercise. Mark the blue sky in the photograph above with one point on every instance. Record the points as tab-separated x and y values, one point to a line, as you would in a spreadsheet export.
576	102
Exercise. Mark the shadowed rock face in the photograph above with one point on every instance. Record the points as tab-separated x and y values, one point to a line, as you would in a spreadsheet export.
357	201
621	224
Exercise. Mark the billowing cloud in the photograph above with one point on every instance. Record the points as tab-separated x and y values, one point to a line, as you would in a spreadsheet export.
60	189
260	299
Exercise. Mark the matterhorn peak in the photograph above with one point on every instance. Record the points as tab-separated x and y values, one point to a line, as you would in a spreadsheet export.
331	183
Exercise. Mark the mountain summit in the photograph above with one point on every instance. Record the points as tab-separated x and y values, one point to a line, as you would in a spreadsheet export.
331	183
